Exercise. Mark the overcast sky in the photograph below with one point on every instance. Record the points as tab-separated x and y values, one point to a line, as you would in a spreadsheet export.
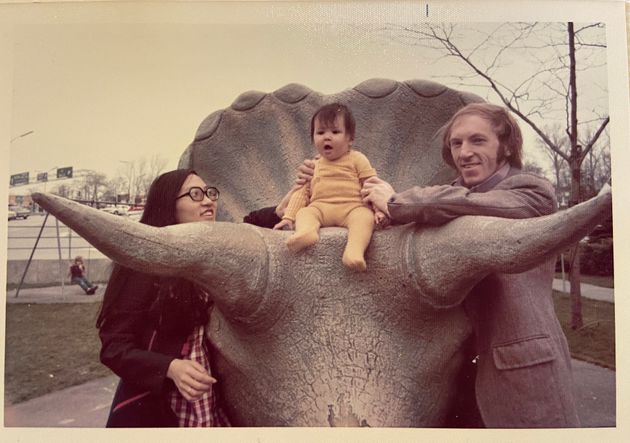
97	93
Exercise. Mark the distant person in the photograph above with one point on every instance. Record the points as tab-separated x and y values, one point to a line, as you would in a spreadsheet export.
77	271
152	329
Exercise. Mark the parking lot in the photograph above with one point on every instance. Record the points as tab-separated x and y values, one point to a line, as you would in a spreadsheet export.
57	240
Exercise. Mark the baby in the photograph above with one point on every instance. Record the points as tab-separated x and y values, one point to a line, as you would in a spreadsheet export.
335	198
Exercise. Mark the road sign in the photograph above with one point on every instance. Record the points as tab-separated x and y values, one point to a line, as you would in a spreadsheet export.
42	177
64	172
19	179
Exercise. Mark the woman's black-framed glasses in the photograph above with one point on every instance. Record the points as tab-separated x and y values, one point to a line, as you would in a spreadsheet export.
197	194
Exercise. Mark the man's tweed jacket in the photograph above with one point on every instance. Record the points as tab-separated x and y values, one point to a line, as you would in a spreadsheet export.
524	369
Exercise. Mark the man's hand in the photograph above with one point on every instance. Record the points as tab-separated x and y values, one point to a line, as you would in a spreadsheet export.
284	225
191	379
381	220
377	192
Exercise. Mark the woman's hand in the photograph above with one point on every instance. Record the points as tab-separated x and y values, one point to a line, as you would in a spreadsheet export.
377	192
284	224
191	379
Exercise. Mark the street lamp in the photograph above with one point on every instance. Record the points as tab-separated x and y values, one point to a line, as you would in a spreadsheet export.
22	135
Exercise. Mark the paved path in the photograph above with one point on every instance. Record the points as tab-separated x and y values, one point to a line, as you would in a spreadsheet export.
55	294
588	291
87	405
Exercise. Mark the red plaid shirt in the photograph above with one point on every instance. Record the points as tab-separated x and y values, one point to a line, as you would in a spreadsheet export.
205	411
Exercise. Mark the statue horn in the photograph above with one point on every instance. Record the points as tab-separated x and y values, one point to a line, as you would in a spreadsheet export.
231	262
478	246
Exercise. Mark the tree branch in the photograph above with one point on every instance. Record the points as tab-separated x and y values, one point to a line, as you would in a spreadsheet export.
596	136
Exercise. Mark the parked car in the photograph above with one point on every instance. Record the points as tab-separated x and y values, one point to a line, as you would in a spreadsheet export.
116	209
20	212
12	215
135	212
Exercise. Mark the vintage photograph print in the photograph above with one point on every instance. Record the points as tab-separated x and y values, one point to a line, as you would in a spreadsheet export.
285	215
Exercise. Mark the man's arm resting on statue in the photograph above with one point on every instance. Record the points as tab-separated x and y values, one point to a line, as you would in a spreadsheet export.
521	196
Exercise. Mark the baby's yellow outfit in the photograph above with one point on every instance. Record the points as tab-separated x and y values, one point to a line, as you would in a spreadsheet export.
335	201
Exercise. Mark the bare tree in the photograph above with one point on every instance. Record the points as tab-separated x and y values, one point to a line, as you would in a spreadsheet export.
532	168
125	176
63	190
596	166
91	184
119	186
138	182
545	59
155	167
137	175
559	168
114	188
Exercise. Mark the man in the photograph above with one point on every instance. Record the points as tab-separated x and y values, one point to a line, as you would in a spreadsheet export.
524	372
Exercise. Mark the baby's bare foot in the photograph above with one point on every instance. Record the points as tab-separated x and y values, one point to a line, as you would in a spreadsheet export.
301	240
354	263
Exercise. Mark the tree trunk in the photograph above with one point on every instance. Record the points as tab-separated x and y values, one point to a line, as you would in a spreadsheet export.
575	163
576	292
574	273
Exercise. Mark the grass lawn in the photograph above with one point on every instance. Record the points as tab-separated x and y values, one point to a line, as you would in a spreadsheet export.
54	346
595	341
597	280
50	347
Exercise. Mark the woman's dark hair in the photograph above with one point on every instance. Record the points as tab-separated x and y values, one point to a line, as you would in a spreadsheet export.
159	211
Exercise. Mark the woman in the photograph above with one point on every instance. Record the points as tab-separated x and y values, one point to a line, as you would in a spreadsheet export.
152	329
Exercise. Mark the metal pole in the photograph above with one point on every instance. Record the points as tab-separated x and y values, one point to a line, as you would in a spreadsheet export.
69	243
61	267
28	263
87	272
562	268
562	262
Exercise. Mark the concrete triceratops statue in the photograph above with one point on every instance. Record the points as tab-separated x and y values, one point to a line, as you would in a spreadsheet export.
298	339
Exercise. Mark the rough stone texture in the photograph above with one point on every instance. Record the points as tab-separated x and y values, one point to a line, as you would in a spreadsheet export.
299	340
363	346
251	150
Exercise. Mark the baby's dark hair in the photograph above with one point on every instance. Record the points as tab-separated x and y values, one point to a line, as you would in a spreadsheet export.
327	114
